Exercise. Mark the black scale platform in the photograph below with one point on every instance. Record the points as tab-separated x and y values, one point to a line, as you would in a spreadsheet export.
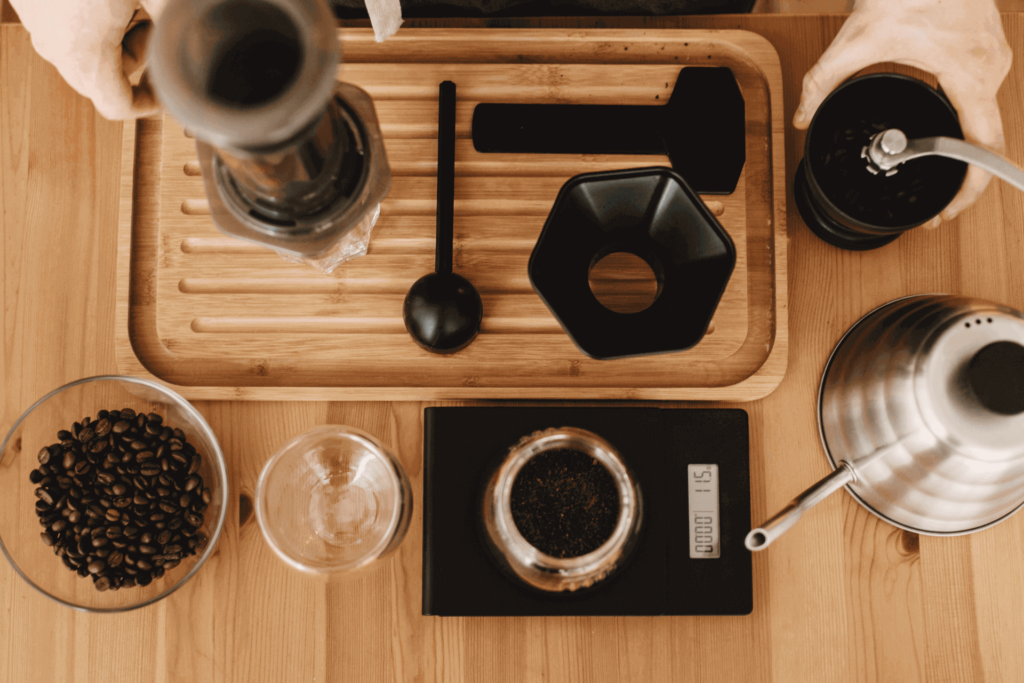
462	446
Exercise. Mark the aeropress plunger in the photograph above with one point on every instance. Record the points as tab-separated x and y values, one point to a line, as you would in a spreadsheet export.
443	310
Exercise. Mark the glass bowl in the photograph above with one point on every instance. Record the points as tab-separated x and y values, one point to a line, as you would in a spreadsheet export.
21	528
333	499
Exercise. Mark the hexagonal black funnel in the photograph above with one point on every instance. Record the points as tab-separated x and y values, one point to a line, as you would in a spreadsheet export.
649	212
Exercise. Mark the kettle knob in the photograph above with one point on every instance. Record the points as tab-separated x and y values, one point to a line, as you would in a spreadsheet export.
996	374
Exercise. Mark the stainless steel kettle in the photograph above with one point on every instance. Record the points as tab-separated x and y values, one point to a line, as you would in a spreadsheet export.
921	412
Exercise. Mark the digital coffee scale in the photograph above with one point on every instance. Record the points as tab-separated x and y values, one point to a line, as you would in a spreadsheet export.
693	469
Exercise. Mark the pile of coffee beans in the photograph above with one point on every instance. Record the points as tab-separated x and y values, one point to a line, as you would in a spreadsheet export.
120	498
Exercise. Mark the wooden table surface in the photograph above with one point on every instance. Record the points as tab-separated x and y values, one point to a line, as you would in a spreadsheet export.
842	597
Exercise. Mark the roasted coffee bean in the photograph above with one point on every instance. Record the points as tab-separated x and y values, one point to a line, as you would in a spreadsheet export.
98	512
103	583
47	538
207	496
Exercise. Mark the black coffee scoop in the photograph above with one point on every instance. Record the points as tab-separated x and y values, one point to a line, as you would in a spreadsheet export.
443	310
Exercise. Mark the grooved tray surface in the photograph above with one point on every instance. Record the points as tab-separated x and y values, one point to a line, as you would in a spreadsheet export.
222	318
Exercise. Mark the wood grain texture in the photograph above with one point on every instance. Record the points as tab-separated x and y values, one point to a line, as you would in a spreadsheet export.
843	597
220	313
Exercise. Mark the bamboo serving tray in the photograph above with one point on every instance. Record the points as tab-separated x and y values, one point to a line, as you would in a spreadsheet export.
219	318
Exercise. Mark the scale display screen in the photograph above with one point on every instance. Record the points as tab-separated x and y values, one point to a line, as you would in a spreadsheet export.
705	540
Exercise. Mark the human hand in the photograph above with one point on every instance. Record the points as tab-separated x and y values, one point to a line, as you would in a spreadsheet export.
86	41
960	41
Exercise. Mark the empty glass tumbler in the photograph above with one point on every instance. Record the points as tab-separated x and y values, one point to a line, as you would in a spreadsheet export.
333	499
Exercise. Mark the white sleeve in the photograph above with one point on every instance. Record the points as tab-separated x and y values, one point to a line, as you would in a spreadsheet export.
385	16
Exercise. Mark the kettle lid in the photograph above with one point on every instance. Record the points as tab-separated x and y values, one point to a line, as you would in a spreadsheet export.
970	382
996	376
